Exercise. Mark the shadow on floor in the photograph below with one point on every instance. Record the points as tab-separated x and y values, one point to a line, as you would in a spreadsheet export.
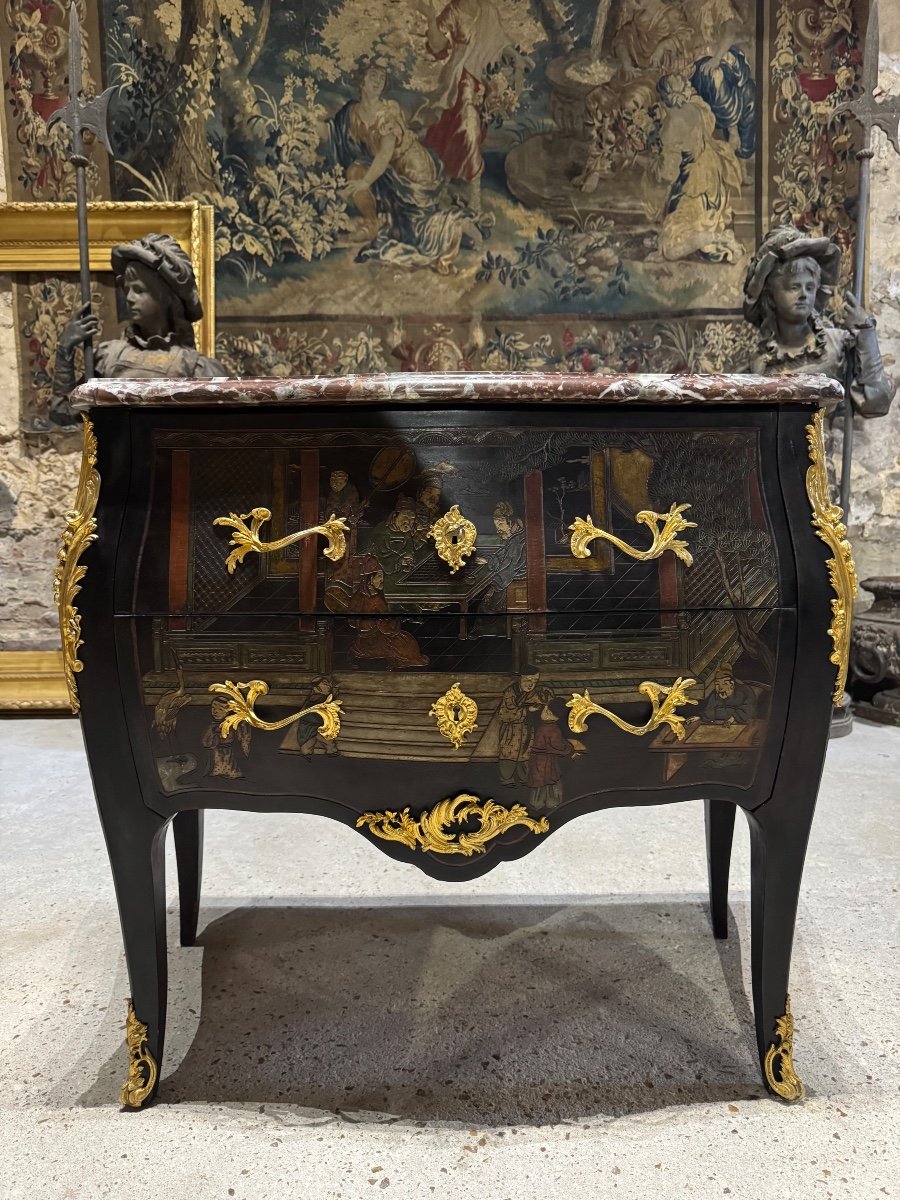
501	1014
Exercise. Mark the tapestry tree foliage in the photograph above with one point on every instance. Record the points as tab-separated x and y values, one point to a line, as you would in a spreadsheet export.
192	121
228	101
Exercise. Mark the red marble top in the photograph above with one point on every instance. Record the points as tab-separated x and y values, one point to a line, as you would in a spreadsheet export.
449	390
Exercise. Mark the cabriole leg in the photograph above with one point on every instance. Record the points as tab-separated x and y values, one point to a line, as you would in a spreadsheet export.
719	833
137	857
778	848
187	828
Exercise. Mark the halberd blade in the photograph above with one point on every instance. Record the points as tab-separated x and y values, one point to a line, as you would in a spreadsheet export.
80	115
869	111
94	115
68	114
871	51
889	122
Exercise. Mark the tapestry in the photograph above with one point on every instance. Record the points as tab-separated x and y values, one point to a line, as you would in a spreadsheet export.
564	185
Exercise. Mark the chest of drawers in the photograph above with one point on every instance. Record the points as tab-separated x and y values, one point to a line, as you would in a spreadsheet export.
454	613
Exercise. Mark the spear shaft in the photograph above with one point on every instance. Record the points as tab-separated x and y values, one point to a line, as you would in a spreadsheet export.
81	116
864	158
80	162
869	112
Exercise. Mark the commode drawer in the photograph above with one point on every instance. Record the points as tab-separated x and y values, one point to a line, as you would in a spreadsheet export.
433	517
455	694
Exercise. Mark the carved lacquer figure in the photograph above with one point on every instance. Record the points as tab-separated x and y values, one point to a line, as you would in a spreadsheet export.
731	702
377	637
507	563
508	734
550	749
305	736
222	759
429	504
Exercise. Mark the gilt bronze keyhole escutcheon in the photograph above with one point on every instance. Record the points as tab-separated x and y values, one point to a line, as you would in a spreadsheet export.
456	715
454	538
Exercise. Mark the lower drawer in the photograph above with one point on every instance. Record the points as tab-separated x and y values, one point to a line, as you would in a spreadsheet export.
378	696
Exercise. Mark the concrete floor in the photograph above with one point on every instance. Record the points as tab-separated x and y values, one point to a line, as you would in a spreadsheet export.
565	1026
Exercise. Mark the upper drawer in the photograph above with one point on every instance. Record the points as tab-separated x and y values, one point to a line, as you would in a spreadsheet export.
336	518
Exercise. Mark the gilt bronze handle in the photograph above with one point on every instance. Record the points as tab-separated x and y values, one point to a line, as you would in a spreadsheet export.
243	696
454	538
584	531
662	713
246	539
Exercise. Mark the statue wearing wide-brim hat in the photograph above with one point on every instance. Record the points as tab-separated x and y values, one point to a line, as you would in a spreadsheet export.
163	255
157	280
789	282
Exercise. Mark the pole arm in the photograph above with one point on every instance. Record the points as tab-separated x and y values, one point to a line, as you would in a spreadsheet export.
869	112
80	116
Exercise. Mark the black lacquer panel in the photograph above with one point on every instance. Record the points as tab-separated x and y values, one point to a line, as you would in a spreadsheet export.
522	482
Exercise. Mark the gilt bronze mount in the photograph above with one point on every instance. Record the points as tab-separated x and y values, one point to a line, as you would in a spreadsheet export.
663	702
456	715
80	531
672	523
780	1058
454	538
828	523
142	1069
433	831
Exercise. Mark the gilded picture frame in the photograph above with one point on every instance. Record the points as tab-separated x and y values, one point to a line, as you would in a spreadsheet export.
37	236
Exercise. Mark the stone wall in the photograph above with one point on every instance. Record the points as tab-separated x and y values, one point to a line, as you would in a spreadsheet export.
875	505
38	484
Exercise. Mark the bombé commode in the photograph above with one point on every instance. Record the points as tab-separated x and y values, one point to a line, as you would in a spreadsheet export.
455	612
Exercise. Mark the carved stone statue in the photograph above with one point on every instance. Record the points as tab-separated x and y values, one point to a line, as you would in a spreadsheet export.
157	281
789	282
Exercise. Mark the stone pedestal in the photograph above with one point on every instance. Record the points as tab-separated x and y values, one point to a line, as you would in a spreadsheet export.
841	718
875	654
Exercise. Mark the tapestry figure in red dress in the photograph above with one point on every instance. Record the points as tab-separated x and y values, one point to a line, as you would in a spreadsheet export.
468	36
